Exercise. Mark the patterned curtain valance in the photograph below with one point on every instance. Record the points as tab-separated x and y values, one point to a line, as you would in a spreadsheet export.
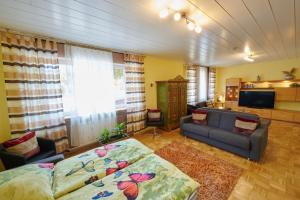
26	42
134	58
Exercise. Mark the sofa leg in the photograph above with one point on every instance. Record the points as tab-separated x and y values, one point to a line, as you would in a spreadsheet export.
154	132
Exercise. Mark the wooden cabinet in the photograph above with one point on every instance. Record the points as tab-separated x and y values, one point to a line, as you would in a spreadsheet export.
298	94
233	105
172	100
286	94
233	82
263	113
284	115
297	117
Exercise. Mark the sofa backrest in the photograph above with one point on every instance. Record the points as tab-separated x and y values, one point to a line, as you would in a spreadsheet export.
225	119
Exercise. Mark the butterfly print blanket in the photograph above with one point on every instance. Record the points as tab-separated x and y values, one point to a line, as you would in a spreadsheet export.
149	178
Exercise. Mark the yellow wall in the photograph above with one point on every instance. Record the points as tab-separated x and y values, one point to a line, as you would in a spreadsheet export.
4	123
271	70
158	69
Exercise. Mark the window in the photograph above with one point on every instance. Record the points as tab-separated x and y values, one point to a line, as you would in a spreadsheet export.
198	86
120	86
202	87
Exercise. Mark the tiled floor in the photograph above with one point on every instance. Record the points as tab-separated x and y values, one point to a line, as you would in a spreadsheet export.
276	176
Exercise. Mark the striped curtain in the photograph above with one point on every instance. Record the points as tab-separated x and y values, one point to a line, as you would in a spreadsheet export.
193	82
135	92
33	88
211	83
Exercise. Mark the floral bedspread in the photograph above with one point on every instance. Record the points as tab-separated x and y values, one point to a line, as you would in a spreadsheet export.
85	168
149	178
28	182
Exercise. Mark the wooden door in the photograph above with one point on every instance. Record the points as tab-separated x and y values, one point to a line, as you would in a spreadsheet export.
182	104
173	114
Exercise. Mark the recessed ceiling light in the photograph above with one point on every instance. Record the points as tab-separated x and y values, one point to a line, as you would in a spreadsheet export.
177	16
164	13
198	29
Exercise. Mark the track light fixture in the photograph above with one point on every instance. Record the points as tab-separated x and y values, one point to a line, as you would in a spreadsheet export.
198	29
164	13
249	54
177	16
191	24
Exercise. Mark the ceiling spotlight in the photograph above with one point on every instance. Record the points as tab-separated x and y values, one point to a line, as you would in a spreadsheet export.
177	16
198	29
190	25
164	13
247	50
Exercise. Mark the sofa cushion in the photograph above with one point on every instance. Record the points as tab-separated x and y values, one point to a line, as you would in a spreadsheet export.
196	129
26	145
154	115
199	117
213	118
227	121
230	138
245	126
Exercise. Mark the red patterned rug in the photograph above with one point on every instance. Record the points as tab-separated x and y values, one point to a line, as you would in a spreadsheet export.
217	178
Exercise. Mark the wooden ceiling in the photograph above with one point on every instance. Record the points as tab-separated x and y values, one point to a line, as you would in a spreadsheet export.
271	28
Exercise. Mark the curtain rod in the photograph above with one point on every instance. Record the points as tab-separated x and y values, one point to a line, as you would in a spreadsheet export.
63	41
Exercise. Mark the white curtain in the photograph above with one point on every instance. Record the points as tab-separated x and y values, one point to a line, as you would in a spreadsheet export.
88	92
203	76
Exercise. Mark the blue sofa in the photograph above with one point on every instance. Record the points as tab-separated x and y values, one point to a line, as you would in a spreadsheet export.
219	133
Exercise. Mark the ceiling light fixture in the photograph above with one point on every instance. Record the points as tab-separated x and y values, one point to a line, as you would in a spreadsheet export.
177	16
190	25
198	29
249	58
164	13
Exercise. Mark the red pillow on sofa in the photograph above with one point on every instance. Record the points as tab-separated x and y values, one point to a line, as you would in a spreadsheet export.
245	126
199	117
153	115
26	145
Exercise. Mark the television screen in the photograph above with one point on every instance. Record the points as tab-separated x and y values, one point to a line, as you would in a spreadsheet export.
257	99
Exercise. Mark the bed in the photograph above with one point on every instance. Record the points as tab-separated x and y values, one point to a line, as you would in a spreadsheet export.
123	170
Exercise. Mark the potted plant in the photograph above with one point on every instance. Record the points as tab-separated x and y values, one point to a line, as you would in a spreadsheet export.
119	131
105	136
120	128
289	75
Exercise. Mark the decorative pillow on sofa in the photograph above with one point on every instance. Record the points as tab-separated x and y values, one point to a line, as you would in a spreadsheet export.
245	126
199	117
153	115
26	145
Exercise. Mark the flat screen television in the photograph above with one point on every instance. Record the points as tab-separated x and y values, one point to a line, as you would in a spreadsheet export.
257	99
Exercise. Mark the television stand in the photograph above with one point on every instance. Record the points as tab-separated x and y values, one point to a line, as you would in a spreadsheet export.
273	114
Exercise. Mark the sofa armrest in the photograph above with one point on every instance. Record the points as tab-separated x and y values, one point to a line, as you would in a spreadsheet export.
186	119
53	159
12	160
264	123
46	144
183	120
258	141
